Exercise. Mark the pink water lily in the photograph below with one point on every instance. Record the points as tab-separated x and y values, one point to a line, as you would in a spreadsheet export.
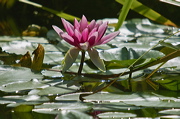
84	36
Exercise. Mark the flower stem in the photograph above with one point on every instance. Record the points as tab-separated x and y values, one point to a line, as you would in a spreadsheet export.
82	62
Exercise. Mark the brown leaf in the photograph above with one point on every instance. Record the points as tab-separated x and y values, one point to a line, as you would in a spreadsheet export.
38	58
25	60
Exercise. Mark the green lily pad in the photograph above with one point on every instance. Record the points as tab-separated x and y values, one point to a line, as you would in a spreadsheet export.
54	90
170	111
148	103
72	114
22	85
11	75
65	106
126	53
70	97
114	106
16	100
50	73
117	97
115	115
64	114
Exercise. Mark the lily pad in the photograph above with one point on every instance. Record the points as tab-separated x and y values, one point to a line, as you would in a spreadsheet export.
114	106
10	74
65	106
170	111
22	85
115	115
54	90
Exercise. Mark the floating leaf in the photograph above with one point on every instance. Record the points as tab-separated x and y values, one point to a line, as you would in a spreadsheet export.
65	106
114	106
72	114
129	53
170	111
70	97
117	97
16	100
115	115
172	2
148	103
11	75
64	114
54	90
22	85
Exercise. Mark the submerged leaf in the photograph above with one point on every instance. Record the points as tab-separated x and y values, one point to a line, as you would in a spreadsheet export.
170	82
23	108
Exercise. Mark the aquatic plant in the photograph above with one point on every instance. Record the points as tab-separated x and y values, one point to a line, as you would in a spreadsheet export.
84	37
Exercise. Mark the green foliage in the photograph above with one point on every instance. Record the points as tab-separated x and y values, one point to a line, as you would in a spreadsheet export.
146	11
58	13
51	92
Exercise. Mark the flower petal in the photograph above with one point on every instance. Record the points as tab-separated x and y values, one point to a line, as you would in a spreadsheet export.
91	25
107	38
76	24
57	29
70	58
92	39
68	26
98	23
85	34
84	46
101	30
68	38
78	36
92	31
83	23
94	55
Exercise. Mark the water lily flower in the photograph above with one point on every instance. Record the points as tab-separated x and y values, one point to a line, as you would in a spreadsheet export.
84	36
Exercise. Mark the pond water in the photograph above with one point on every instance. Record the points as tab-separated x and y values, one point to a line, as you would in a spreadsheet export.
50	94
